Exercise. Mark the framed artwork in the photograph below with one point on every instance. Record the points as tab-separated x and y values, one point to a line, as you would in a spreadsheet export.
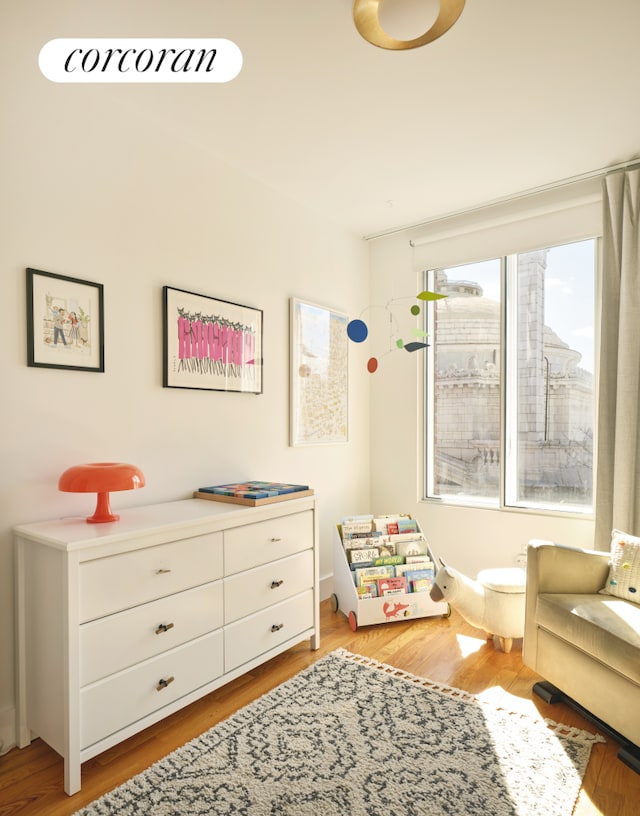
211	344
65	322
319	413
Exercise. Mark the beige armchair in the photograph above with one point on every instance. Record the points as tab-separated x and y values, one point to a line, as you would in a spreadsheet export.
585	645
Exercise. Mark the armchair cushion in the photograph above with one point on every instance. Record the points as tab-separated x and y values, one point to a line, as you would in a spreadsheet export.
608	629
623	580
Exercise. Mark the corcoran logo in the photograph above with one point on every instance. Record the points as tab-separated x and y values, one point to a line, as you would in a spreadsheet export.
140	60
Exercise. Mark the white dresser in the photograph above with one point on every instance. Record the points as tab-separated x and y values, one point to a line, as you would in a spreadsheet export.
121	624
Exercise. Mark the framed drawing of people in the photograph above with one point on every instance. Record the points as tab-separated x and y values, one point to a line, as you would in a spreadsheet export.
65	322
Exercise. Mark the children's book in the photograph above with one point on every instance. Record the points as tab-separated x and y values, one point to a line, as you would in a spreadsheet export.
253	493
420	575
362	540
423	560
421	585
385	522
360	556
386	560
392	586
413	546
357	526
367	575
407	526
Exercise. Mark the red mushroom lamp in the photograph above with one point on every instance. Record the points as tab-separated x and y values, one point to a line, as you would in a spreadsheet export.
101	478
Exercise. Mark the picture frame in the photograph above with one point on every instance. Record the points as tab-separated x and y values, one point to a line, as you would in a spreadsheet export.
211	344
319	375
65	322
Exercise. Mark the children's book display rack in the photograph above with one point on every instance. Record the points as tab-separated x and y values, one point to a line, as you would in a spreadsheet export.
383	570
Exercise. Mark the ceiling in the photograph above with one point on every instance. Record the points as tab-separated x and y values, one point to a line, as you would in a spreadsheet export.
519	94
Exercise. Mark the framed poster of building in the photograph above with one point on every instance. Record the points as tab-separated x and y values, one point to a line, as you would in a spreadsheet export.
319	413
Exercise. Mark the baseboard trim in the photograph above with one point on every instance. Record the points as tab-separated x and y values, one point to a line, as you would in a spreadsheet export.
326	586
7	729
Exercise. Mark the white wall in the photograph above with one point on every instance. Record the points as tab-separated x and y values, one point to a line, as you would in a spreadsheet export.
94	186
470	539
94	189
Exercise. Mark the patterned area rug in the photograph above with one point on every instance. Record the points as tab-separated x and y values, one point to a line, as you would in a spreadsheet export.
353	737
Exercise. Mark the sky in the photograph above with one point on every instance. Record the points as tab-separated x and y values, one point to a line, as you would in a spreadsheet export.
569	293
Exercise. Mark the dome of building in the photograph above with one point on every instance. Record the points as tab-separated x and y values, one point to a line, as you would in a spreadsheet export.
472	308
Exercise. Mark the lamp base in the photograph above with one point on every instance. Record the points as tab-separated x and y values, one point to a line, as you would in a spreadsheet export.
102	512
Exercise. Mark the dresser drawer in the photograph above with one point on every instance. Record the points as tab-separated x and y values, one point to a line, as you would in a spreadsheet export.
254	544
122	581
118	641
111	704
255	589
252	636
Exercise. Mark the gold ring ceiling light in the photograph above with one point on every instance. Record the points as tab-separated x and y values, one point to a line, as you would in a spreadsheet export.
365	16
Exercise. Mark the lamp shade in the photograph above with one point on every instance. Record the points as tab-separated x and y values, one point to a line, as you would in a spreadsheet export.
365	17
101	478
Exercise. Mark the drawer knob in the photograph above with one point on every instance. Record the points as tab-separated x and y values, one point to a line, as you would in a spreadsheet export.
162	684
275	540
277	627
162	571
164	627
276	584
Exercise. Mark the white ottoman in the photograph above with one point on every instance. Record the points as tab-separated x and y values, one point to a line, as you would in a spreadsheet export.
504	592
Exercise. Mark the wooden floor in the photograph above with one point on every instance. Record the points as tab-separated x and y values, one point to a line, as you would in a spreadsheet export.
446	650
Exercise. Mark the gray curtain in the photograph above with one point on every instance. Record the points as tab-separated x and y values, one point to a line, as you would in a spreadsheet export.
618	456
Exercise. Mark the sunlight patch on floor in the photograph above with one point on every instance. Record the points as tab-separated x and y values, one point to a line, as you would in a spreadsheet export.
498	697
469	645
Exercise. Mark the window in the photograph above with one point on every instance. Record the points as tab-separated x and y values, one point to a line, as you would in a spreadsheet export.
510	380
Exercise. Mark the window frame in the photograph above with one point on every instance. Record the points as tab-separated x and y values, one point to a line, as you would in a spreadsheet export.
508	472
